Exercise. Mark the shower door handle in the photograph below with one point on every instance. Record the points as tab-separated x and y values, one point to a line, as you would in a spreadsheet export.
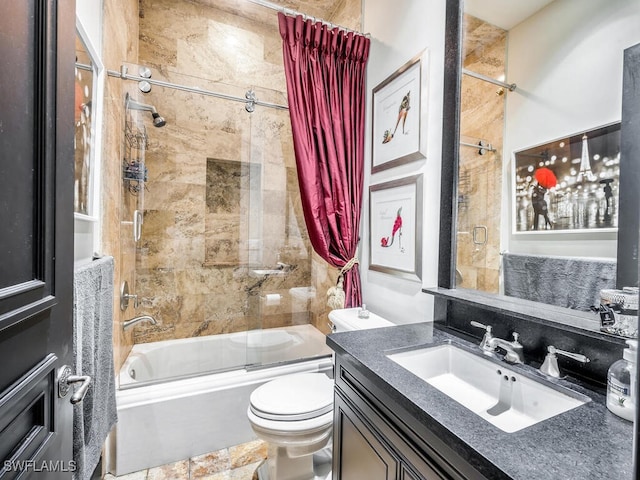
137	225
480	239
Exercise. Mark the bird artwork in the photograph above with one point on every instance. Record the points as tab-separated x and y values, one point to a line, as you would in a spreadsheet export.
405	106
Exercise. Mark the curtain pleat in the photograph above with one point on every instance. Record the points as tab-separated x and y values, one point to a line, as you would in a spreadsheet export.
325	73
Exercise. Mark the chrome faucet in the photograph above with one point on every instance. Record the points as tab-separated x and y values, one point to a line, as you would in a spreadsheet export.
550	366
283	266
488	336
514	352
142	318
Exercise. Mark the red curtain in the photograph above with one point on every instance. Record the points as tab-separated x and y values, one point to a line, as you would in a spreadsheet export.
325	72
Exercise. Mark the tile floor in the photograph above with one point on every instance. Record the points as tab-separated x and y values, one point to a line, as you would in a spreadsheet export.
233	463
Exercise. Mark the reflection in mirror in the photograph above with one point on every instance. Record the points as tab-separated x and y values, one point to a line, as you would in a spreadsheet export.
570	183
84	128
565	59
480	169
89	88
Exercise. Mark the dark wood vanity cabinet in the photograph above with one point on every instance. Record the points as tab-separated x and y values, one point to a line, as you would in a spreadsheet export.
376	440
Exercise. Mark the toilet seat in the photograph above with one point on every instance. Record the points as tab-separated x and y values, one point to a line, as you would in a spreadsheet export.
293	398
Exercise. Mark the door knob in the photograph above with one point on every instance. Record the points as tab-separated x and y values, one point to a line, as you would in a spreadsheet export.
66	379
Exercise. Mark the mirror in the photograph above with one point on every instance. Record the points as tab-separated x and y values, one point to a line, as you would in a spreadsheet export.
83	129
565	59
88	72
89	86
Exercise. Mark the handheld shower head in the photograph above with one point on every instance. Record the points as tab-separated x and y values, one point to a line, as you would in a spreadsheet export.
158	121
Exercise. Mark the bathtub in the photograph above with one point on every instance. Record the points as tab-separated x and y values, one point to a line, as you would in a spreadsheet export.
164	417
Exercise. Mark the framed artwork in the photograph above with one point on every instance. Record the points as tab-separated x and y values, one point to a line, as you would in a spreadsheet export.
395	222
570	184
397	114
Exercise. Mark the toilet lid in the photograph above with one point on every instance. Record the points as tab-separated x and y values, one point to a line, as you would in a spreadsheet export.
299	396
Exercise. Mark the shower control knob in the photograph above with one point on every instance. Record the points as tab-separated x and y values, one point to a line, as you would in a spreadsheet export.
144	86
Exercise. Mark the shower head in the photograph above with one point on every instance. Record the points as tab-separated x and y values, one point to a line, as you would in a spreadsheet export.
158	121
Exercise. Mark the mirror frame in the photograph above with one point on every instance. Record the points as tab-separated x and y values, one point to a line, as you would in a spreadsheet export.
628	232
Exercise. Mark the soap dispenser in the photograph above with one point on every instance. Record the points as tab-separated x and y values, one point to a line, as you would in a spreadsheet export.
363	312
621	383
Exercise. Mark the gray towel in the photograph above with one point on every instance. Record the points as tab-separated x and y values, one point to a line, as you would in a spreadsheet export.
93	350
570	282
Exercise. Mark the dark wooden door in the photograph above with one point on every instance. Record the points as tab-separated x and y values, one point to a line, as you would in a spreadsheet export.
36	235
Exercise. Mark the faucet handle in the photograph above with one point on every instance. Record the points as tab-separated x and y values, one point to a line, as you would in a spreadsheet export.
516	336
488	328
576	356
485	343
550	366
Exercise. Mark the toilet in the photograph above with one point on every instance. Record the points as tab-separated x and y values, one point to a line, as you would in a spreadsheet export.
294	413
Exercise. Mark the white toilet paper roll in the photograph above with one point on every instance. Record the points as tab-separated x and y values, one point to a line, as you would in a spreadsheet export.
272	299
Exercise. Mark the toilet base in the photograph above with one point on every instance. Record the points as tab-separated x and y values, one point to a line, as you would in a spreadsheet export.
279	466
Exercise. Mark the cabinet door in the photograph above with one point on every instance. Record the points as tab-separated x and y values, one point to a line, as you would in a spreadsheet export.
407	475
358	453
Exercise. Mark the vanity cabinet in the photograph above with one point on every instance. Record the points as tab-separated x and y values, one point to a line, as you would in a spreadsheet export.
376	439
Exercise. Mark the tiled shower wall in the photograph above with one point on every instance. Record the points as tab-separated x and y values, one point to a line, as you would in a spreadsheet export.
480	176
120	44
204	232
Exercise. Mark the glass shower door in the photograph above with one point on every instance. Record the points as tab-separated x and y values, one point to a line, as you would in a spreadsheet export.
223	253
193	255
280	253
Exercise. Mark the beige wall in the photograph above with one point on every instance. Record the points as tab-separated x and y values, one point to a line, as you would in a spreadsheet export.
180	273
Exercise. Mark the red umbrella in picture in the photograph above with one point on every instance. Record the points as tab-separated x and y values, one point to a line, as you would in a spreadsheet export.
546	178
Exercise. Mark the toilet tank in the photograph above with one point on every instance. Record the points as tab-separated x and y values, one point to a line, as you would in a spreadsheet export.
346	319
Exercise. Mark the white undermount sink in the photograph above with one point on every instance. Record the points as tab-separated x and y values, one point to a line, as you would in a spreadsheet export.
503	397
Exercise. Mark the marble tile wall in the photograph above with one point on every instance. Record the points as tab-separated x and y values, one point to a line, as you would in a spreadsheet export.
480	177
201	237
120	44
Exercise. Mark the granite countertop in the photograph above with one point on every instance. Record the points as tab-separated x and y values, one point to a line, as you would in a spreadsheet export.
587	442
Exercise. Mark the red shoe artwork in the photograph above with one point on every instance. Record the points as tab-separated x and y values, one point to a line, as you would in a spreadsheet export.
397	228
